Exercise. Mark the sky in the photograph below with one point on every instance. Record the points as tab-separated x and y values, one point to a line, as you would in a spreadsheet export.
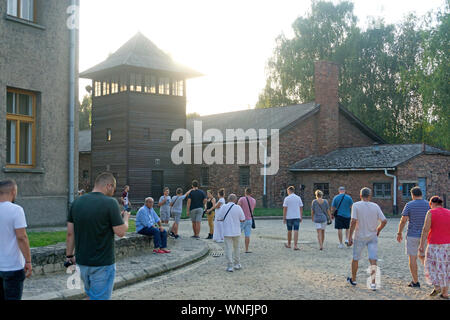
228	41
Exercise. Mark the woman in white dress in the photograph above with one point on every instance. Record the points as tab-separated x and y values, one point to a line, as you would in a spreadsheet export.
218	225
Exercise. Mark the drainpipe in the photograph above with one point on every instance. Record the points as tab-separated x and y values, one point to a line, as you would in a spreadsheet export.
265	176
72	75
395	190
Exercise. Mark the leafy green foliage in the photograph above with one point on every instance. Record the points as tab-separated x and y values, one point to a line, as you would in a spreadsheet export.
395	78
85	113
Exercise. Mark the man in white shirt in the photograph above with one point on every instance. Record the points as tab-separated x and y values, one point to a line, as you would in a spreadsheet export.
15	254
292	216
232	215
365	224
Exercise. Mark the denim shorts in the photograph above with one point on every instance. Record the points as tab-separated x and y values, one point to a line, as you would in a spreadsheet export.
293	224
246	226
98	281
360	244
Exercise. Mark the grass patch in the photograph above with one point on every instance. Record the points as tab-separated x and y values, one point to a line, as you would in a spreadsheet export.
43	239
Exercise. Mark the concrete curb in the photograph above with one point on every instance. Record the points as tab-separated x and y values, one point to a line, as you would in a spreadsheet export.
130	278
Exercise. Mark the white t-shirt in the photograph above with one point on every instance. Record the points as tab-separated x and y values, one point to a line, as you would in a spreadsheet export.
368	215
232	223
293	203
12	217
222	201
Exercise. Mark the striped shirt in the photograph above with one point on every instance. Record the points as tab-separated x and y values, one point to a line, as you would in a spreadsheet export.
416	210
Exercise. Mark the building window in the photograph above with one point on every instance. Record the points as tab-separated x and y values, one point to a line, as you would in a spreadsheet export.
177	88
244	176
382	190
150	84
324	187
132	82
115	85
108	134
204	177
406	189
85	174
97	88
164	86
123	83
23	9
20	128
105	87
138	83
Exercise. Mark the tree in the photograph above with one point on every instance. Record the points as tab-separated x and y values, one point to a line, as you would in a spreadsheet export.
192	115
393	77
85	113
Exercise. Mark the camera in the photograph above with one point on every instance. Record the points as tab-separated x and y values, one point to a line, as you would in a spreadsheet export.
68	264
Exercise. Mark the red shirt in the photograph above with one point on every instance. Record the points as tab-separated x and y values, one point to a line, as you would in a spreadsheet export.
244	205
440	226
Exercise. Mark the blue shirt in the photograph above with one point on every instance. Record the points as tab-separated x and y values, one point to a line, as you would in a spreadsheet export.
345	209
416	210
166	206
146	218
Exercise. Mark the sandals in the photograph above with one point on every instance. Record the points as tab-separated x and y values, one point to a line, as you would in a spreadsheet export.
297	249
286	246
435	293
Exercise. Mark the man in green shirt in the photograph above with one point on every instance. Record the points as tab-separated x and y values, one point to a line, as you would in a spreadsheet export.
91	224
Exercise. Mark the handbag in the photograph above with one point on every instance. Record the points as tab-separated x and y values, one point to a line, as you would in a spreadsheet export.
253	219
335	213
326	215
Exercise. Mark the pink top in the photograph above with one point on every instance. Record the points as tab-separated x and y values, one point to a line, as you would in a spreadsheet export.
244	205
440	226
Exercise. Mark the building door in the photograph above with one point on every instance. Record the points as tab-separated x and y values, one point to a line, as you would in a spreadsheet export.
423	186
157	184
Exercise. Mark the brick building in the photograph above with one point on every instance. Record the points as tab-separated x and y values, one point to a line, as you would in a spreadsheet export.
322	145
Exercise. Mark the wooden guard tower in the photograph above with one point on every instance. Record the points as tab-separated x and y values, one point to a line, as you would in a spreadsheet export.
138	100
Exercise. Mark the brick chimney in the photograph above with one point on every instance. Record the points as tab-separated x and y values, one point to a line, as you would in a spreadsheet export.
326	80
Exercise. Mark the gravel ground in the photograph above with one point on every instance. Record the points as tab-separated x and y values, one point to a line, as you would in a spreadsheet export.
274	272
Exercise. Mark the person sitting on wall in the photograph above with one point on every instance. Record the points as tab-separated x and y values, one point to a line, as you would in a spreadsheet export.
146	221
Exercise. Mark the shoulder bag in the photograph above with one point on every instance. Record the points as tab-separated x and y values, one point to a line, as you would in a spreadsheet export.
227	213
251	212
335	213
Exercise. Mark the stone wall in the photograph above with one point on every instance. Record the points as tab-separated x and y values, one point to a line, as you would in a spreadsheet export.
51	258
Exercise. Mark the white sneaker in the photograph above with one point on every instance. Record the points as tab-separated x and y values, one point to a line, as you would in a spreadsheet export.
238	267
230	269
341	246
373	286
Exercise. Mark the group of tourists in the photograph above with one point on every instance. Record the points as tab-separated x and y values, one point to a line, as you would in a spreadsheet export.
95	218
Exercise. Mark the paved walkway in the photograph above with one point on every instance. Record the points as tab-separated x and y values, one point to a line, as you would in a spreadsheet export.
274	272
129	270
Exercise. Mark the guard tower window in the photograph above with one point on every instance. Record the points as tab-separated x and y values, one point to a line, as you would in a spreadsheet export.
177	88
138	83
164	86
97	88
115	85
133	82
150	84
123	83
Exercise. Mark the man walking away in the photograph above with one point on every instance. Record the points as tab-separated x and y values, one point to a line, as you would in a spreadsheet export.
341	208
146	221
15	254
414	213
248	204
292	216
232	215
365	218
92	222
195	207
